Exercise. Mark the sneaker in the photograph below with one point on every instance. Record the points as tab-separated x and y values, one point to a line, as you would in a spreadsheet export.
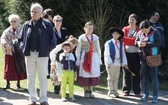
64	100
137	95
73	99
31	103
111	95
91	95
87	94
44	103
144	98
116	94
155	99
126	94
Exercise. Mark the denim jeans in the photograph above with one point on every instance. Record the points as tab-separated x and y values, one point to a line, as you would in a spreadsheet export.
152	72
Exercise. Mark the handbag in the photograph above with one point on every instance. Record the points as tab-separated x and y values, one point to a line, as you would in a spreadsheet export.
54	77
153	60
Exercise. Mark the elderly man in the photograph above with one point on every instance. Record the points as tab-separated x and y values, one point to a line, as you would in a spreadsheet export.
37	40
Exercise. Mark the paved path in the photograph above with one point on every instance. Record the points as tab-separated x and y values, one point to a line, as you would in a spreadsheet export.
20	97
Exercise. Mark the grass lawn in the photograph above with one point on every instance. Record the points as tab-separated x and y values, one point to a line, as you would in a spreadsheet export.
100	88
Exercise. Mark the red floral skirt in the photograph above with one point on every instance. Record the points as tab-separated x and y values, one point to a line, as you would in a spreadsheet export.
10	73
88	81
92	81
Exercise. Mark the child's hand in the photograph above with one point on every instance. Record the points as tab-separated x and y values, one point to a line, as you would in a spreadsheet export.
75	76
126	67
65	52
53	68
108	66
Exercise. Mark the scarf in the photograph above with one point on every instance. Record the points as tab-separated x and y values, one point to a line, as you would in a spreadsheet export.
87	62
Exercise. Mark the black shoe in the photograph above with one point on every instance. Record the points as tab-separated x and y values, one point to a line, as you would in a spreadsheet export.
6	86
18	86
48	76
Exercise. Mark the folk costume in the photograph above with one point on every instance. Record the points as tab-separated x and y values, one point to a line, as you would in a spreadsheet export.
114	56
88	55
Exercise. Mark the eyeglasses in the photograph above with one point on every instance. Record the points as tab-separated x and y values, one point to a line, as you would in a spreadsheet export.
157	15
58	20
13	21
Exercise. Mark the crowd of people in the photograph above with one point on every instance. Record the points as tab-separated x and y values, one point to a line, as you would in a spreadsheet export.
48	47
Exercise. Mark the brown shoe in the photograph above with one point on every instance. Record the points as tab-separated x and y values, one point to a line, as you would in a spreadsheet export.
32	103
44	103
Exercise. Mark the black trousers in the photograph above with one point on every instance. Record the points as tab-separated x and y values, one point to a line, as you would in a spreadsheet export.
133	60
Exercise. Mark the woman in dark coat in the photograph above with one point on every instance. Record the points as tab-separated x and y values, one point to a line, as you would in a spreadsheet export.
61	35
11	72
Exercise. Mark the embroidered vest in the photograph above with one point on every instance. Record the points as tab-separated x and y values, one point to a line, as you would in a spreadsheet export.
112	50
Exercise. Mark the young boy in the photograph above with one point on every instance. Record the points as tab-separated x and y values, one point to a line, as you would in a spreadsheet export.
67	60
114	58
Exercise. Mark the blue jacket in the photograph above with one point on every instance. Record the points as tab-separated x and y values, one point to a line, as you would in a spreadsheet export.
68	62
152	44
47	39
160	28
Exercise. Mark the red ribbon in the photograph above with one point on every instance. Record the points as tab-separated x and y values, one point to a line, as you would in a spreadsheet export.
87	62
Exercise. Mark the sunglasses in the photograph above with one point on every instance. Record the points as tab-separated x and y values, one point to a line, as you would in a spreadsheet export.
13	21
157	15
58	20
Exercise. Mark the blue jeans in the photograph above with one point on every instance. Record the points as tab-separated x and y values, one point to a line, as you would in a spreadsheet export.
152	72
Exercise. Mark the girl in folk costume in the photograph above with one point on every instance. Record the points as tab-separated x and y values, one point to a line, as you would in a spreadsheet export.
11	33
114	58
88	55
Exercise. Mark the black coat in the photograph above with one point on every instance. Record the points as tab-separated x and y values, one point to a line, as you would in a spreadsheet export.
19	58
64	36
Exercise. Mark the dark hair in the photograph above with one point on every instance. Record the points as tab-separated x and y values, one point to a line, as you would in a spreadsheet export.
49	11
133	15
152	13
44	15
144	24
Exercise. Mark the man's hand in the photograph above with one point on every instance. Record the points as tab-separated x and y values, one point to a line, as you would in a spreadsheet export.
75	76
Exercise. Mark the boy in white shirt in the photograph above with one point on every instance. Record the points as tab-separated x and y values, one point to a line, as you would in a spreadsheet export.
67	60
114	58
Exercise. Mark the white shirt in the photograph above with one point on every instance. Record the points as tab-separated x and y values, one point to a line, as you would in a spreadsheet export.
107	58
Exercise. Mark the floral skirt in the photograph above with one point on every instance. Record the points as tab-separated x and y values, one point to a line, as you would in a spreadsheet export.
93	81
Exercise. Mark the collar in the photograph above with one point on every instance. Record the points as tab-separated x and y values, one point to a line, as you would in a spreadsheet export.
31	22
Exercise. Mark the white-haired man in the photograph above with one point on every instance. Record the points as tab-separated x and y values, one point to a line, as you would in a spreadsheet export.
37	40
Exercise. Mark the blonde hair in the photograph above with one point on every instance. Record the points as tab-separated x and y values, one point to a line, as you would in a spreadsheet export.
12	16
72	40
36	5
88	24
56	17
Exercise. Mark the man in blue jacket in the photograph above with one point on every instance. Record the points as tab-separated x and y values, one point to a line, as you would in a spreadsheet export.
37	40
154	22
